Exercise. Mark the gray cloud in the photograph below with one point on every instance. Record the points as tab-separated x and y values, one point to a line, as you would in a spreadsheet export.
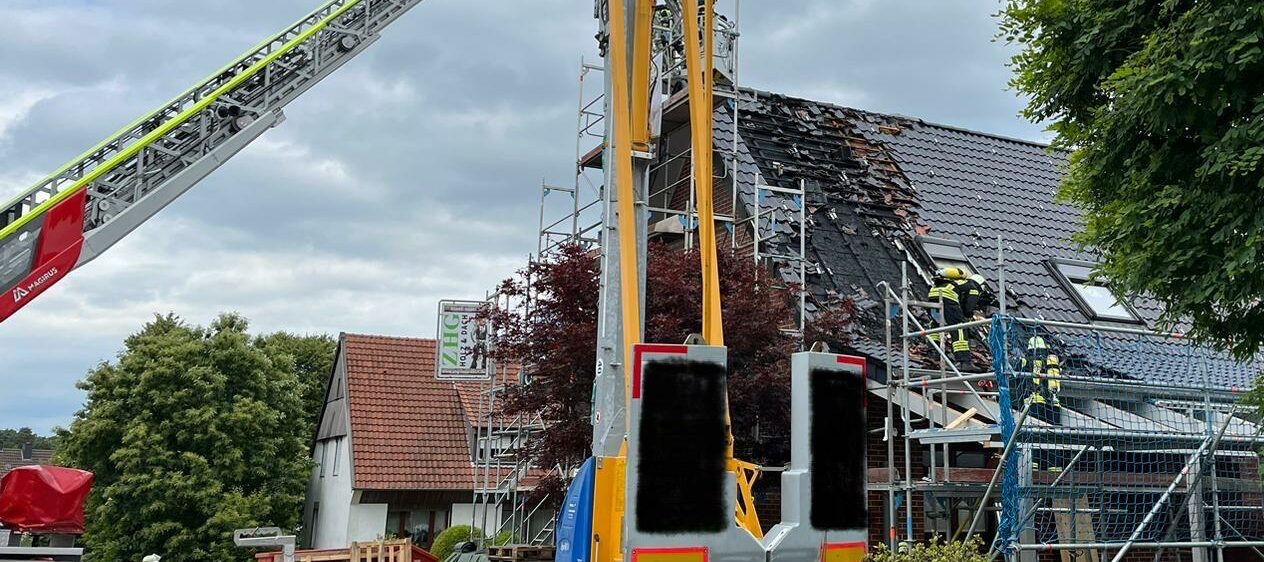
410	175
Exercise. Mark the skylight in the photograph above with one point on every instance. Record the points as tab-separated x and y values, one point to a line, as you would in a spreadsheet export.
947	253
1093	296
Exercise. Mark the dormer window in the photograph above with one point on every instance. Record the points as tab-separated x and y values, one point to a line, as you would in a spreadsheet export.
1094	296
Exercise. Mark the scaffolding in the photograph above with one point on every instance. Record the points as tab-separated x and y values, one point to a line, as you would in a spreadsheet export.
1082	441
775	214
753	213
573	213
504	476
672	197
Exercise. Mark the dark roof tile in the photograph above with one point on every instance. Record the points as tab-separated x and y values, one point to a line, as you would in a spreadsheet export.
873	180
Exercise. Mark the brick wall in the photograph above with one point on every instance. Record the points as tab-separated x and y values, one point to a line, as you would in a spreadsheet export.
767	493
877	459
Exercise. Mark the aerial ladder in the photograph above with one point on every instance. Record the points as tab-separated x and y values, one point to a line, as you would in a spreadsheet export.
78	212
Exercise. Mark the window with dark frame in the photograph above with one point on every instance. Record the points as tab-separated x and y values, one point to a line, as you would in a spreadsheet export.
1094	296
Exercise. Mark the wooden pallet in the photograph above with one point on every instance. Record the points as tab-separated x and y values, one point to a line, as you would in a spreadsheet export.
382	551
373	551
521	553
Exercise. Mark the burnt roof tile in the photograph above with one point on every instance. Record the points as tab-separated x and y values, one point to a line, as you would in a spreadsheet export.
874	180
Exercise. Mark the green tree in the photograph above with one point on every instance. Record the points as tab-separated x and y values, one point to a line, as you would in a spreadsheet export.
1162	104
313	357
193	432
16	438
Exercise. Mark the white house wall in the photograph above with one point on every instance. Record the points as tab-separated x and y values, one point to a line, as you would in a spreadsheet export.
465	513
331	491
368	522
328	511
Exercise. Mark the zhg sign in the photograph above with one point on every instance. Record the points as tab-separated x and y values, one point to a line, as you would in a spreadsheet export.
462	343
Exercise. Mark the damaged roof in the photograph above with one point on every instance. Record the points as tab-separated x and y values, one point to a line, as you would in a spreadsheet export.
875	183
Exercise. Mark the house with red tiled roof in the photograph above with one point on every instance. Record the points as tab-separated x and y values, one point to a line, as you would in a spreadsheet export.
25	456
395	450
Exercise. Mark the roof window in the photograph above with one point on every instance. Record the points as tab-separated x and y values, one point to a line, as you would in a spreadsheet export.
947	253
1093	296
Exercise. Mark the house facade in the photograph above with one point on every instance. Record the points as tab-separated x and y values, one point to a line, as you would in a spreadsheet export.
397	450
1142	442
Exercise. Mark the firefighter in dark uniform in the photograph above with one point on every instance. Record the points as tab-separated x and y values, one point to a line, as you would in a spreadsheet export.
975	296
976	299
945	292
1046	370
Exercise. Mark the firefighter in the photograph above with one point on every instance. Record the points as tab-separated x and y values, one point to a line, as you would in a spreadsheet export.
1046	370
944	292
1052	383
1034	362
970	291
976	299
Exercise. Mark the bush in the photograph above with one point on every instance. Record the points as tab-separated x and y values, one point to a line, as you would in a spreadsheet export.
447	540
503	538
936	550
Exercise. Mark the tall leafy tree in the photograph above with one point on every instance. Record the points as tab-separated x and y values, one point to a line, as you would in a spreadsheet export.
1162	104
313	357
552	334
17	438
193	432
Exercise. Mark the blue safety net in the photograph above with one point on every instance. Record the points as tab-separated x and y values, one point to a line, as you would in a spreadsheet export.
1128	436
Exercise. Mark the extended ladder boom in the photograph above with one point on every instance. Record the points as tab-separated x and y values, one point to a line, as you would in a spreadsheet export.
72	216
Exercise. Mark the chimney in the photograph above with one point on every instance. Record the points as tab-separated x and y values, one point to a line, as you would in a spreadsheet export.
28	452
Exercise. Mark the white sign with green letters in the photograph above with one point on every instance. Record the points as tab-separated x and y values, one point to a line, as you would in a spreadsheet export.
462	353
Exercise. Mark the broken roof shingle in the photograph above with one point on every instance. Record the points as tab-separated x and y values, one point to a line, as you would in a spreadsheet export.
875	181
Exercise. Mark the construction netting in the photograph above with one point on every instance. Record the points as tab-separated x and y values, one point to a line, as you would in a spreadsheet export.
1122	436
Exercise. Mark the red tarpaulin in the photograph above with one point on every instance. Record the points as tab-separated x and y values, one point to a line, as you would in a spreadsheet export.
44	499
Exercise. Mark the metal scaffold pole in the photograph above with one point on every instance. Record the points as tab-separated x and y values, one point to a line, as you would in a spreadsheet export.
1000	469
803	261
1207	444
1000	274
908	429
1215	484
1115	545
889	428
734	153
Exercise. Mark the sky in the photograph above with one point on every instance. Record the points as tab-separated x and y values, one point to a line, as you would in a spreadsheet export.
410	175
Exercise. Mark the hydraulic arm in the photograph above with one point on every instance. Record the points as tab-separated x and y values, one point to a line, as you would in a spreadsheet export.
70	217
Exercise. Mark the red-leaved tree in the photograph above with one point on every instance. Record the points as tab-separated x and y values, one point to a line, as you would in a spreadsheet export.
550	327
